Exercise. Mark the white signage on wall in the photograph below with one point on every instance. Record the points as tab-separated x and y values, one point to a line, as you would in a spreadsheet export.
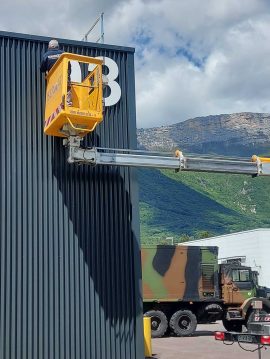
115	93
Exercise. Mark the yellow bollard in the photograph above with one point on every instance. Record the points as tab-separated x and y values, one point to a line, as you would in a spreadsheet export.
147	337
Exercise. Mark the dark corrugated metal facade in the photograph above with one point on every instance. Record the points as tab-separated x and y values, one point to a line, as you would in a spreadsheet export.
69	250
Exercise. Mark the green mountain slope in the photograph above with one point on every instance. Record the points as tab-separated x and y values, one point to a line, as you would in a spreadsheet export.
199	204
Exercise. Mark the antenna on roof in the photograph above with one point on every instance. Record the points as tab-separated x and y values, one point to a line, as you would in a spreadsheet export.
100	20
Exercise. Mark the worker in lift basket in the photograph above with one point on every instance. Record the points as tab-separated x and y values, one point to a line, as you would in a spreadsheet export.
49	59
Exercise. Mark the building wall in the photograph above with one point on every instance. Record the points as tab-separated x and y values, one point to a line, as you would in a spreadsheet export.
69	246
253	245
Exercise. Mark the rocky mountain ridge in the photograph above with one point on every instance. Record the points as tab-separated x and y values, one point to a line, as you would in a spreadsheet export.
227	134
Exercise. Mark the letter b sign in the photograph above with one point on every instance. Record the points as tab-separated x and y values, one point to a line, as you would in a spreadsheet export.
115	93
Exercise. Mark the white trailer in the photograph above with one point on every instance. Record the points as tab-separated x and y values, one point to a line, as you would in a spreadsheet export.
252	247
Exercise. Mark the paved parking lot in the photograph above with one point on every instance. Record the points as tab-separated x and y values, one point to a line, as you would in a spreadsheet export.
202	346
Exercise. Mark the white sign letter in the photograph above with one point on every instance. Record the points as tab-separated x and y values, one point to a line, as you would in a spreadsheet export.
115	94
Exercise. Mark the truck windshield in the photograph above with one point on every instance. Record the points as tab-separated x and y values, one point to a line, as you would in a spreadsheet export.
241	275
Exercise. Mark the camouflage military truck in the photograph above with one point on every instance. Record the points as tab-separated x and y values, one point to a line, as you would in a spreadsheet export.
185	285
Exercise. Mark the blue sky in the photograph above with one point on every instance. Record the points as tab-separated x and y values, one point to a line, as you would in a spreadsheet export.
193	57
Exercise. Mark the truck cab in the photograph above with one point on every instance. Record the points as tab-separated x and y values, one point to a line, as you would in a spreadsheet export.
237	283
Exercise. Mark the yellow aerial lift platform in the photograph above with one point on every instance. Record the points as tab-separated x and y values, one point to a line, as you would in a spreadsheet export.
74	122
86	110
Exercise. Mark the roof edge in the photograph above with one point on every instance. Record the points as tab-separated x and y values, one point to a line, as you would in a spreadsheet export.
30	37
227	235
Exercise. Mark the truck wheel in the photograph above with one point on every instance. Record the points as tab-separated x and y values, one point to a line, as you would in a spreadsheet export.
183	323
159	323
232	326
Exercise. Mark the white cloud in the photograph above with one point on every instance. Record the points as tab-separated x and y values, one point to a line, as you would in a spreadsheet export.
196	57
193	57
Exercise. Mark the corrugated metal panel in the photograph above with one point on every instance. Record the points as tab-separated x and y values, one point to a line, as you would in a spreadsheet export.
70	263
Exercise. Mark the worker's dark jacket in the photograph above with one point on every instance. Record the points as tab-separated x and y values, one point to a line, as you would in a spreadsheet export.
49	59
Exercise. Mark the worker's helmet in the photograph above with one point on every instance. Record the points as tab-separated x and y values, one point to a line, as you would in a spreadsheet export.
53	44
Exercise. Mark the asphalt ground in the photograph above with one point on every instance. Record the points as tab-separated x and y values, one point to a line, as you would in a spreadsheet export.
203	346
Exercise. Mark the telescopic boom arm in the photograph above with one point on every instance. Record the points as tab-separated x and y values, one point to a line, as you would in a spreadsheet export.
255	166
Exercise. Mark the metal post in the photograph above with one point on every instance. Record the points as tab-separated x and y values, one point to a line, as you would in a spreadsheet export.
259	351
147	337
102	27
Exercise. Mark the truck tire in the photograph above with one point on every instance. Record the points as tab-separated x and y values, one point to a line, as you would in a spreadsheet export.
232	326
159	323
183	323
